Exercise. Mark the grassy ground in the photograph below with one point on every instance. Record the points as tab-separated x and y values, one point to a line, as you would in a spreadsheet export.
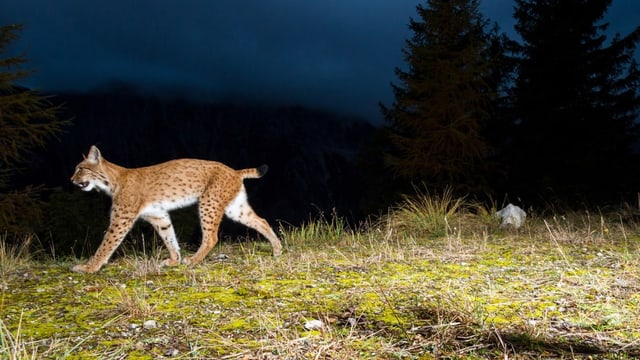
436	278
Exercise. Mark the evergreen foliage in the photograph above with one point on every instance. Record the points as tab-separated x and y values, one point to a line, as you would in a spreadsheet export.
27	120
575	99
444	97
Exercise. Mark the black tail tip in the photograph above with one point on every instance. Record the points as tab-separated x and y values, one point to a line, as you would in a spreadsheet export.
262	169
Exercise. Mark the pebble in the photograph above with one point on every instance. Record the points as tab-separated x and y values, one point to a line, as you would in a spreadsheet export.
313	325
171	352
150	324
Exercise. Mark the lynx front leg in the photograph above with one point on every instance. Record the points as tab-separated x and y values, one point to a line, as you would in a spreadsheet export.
118	228
161	222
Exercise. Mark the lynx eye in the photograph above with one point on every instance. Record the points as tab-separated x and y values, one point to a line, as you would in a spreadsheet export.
81	170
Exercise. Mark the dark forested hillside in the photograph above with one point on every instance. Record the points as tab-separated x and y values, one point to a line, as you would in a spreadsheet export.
311	154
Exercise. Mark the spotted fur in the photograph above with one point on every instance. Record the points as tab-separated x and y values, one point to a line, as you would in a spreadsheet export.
149	193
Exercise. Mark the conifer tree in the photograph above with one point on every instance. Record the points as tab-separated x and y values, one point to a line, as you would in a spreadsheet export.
576	99
27	120
444	96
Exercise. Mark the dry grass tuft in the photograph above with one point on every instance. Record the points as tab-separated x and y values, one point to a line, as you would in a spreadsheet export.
13	346
14	256
425	214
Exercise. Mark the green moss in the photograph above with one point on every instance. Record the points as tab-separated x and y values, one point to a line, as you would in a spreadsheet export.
235	325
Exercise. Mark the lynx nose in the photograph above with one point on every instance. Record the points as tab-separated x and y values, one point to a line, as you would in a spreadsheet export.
80	184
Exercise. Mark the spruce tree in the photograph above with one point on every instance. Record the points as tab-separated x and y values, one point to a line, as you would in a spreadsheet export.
443	98
575	101
27	120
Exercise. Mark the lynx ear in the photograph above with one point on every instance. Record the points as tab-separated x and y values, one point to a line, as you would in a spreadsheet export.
94	155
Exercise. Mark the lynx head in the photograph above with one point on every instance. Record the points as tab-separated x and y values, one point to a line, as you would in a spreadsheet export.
90	174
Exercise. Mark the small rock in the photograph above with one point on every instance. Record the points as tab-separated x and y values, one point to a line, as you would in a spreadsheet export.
512	216
171	352
150	324
352	321
313	325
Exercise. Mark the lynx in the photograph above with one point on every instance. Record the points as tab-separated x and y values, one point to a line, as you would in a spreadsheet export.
151	192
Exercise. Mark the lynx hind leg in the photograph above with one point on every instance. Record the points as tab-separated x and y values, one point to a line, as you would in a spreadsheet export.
211	211
239	210
161	223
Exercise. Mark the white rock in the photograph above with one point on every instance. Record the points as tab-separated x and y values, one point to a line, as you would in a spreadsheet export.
512	215
313	325
150	324
171	352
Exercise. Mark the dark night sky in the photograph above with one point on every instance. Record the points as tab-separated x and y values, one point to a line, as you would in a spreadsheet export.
333	54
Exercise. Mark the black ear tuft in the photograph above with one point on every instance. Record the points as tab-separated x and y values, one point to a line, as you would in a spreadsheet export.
262	169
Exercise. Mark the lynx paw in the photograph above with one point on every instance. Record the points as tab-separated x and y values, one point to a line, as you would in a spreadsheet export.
191	260
170	262
85	268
